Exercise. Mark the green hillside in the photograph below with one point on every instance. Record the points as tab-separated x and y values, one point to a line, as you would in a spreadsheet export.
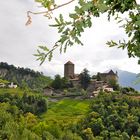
3	81
24	77
67	111
15	91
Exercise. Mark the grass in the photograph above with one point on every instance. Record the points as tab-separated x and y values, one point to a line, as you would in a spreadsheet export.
62	112
15	91
3	81
66	111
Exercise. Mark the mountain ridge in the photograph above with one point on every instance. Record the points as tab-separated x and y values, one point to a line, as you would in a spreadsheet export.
128	79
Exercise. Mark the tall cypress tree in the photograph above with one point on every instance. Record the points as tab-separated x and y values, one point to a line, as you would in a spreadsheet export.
85	79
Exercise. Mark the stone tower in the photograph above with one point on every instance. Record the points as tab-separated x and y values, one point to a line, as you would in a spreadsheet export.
69	70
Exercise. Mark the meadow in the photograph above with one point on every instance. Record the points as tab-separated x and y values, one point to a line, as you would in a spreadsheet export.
66	111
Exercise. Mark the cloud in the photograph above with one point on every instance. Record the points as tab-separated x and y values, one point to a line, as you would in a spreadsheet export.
18	42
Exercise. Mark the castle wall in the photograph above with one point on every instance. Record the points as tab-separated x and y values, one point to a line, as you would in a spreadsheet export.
111	77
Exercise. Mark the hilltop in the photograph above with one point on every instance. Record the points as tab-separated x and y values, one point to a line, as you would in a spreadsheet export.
24	77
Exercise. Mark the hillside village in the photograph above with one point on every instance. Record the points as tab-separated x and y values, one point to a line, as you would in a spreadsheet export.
71	84
25	78
7	84
100	82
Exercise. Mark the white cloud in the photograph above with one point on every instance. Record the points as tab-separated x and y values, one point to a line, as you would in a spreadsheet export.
18	42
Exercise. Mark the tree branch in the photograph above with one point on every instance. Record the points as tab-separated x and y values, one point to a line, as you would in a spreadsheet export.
47	13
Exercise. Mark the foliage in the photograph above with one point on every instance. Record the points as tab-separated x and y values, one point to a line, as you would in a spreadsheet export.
60	83
12	126
28	103
24	77
25	117
98	77
109	116
128	90
3	81
66	112
85	79
113	83
70	31
112	116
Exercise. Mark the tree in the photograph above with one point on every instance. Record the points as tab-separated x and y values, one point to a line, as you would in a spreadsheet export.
98	77
70	31
57	83
113	83
85	79
61	83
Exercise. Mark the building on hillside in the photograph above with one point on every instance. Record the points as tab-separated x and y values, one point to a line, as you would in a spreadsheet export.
107	77
107	88
48	91
96	85
12	85
2	85
69	70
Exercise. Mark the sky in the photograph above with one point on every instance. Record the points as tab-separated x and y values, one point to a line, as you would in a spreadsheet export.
18	42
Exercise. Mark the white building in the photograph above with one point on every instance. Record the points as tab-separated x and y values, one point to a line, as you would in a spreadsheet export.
12	85
2	85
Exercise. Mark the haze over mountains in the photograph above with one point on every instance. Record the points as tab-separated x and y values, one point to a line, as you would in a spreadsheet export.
128	79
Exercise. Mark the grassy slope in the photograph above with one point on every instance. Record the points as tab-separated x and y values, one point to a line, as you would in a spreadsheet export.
63	112
14	91
67	111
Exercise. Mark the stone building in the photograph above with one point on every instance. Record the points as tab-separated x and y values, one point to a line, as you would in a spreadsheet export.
95	84
107	77
69	70
48	91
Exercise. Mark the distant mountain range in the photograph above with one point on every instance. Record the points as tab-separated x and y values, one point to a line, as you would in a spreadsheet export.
128	79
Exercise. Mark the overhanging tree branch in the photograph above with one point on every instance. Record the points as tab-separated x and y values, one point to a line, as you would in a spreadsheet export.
47	13
81	18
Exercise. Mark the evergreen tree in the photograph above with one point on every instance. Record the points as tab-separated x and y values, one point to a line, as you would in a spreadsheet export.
57	83
85	79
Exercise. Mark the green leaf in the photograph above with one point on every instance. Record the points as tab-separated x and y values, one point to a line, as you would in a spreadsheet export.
44	48
74	16
87	6
81	2
50	56
61	18
55	25
102	7
60	29
63	38
89	23
78	10
57	21
137	22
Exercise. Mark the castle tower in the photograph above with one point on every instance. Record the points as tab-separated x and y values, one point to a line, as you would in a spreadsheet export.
69	70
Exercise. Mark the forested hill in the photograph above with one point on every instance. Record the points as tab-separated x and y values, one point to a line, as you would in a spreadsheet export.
23	77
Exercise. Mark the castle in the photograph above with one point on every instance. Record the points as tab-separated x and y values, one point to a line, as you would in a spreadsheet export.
95	84
70	74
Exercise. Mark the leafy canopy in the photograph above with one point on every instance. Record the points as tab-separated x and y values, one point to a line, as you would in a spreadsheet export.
81	18
85	79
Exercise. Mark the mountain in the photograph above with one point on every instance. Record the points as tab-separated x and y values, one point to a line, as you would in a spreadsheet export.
24	77
128	79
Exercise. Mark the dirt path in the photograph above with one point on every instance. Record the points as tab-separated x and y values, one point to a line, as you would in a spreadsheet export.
135	97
